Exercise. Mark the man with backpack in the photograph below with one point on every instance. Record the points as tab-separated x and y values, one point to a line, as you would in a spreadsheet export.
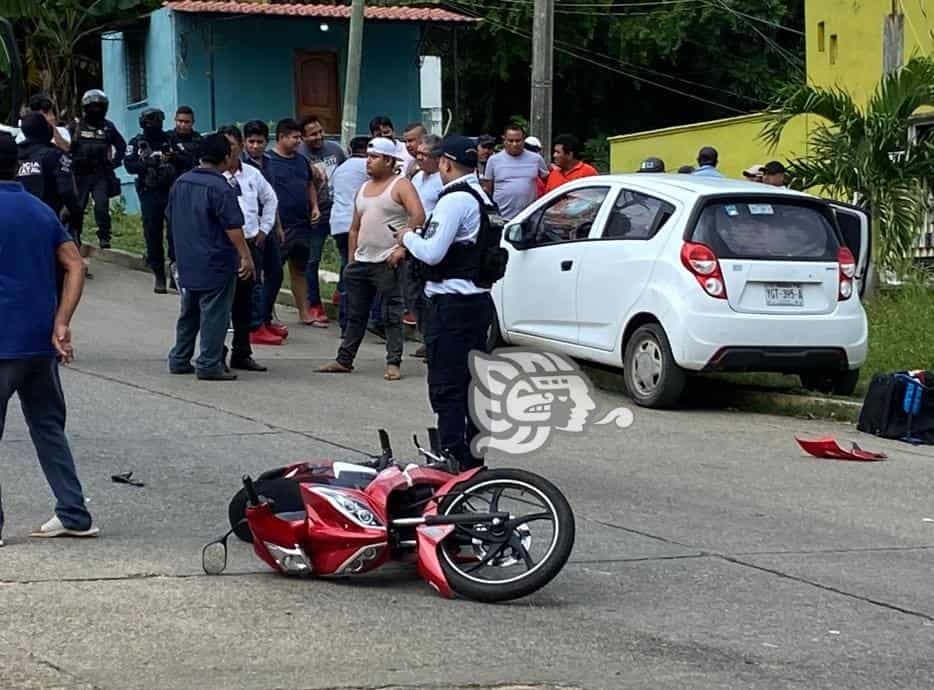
459	258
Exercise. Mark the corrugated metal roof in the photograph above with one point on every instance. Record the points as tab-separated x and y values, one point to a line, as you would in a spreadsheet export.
398	13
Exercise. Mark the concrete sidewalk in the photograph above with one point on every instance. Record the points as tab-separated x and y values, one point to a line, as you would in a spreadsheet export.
710	552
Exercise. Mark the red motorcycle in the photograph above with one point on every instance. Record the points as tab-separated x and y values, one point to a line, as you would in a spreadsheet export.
486	534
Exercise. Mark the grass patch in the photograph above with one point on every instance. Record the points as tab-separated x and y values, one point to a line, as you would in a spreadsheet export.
900	333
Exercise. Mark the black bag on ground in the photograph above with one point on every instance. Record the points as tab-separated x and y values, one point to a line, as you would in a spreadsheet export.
883	414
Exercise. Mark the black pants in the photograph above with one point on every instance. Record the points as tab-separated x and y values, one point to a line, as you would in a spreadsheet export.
456	324
93	186
363	281
152	205
242	312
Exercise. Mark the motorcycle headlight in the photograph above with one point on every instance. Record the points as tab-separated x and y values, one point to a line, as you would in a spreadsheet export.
354	510
290	561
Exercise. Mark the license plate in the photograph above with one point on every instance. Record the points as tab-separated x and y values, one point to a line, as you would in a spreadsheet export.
784	295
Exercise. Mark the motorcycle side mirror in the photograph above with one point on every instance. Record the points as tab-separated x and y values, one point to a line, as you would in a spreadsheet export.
214	555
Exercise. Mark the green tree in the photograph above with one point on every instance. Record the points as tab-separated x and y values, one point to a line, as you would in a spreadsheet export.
867	153
56	34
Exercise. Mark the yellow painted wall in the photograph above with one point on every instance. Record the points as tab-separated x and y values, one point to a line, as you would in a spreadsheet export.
858	26
736	139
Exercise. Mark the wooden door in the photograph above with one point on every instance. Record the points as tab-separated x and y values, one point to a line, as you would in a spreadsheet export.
316	89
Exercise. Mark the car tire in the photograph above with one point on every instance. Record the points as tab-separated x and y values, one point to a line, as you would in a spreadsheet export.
652	376
831	382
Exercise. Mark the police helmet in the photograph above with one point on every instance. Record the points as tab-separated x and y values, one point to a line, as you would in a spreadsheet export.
94	96
151	117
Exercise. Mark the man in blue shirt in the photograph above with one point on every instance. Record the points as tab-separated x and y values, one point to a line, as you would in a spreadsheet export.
35	335
207	225
707	159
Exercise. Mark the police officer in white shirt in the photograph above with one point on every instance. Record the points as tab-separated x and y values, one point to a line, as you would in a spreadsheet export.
259	204
460	310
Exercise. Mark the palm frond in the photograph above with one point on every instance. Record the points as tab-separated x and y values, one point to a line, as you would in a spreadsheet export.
834	105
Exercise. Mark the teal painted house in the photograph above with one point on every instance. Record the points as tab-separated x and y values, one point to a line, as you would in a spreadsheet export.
238	61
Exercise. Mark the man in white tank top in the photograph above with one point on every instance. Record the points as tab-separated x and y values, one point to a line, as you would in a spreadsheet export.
385	203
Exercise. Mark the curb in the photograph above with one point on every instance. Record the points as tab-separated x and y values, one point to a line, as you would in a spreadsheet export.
718	395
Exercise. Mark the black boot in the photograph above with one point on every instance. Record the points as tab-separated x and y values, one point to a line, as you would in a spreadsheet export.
159	287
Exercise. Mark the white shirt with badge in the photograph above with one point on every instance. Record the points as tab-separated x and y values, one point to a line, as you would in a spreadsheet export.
254	193
456	218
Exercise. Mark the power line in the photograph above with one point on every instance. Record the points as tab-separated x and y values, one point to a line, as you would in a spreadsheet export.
790	58
574	54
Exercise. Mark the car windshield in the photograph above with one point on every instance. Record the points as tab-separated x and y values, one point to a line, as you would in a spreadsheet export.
766	228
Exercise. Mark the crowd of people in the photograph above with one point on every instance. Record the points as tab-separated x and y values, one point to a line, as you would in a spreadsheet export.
771	173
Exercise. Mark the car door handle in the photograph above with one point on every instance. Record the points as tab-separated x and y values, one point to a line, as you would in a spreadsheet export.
566	265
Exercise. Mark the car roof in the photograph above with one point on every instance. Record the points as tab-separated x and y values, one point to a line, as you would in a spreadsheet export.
690	187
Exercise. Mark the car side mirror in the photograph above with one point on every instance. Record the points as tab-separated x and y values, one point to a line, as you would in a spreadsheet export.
519	236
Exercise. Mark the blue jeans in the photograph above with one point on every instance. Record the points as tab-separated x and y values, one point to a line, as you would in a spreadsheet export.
37	382
207	312
272	275
319	234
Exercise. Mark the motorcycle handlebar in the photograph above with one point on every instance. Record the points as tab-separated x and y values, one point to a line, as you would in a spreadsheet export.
251	495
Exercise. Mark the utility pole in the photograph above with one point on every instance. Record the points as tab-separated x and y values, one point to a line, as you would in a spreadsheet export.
352	80
893	40
543	50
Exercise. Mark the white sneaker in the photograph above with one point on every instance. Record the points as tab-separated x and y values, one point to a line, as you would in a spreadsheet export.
55	528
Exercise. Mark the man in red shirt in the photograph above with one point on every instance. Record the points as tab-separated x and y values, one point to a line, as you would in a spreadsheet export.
567	164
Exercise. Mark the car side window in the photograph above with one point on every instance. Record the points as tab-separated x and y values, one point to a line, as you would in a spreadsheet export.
569	217
636	216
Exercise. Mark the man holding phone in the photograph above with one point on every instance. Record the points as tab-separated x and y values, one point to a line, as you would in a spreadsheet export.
385	203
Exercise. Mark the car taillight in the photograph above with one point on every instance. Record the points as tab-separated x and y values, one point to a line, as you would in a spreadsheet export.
847	273
700	260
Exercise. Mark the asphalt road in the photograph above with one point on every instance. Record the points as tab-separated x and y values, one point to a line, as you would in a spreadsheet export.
711	553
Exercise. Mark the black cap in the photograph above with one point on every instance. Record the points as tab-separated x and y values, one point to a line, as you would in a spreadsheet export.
707	156
151	116
36	128
40	101
462	150
9	156
773	168
486	141
652	165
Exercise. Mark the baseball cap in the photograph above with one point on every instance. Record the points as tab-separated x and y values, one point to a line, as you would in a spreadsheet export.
486	141
753	171
533	143
461	150
652	165
381	146
773	168
35	127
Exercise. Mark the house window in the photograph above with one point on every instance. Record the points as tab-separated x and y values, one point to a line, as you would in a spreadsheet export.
135	47
820	37
833	49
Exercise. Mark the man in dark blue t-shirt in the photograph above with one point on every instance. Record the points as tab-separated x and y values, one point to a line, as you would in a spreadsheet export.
290	175
35	334
210	253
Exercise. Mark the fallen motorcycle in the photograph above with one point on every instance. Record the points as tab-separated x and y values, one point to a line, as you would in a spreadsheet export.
485	534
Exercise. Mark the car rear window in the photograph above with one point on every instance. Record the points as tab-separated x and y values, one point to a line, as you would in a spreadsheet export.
766	228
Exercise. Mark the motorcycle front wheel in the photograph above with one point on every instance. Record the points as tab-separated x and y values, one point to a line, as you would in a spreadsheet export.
490	563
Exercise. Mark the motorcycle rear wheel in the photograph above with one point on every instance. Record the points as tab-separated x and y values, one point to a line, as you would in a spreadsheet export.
284	494
514	571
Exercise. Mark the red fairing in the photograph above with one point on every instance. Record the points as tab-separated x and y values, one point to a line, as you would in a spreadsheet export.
265	526
392	479
831	449
429	538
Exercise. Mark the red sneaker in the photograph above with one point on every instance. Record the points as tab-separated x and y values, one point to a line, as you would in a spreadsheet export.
409	319
263	336
318	317
336	298
278	329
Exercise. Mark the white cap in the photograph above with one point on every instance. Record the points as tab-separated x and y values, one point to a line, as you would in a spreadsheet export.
533	141
381	146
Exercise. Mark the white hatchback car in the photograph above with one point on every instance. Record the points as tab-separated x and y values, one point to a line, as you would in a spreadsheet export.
669	274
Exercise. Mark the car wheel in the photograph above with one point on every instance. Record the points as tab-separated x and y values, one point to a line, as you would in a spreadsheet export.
835	382
652	376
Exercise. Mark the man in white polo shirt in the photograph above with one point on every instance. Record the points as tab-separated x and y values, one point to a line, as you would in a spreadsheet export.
259	204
